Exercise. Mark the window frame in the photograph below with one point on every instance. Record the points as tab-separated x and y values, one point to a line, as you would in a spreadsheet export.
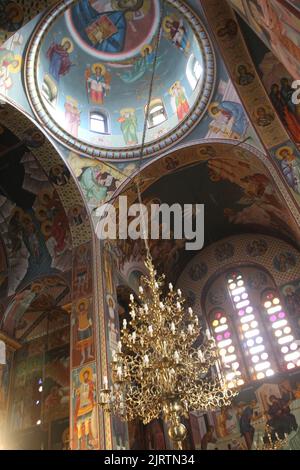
105	120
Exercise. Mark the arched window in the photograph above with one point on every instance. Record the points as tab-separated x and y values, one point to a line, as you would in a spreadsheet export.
99	122
250	326
157	113
194	71
284	341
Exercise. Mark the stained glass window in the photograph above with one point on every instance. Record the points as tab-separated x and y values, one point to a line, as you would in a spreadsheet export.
251	328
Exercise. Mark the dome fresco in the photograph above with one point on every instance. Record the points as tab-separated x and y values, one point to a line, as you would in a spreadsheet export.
111	46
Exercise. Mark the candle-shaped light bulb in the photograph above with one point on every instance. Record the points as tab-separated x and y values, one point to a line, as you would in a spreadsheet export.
179	293
146	360
133	337
161	305
190	328
156	285
146	308
178	306
131	298
150	329
170	287
119	372
200	355
105	383
173	329
176	357
196	321
119	346
190	310
124	324
132	314
141	290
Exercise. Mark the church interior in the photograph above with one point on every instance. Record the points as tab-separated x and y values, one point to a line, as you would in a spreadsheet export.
189	103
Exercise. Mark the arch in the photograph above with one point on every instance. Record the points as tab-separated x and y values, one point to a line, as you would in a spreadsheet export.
258	258
82	247
157	113
185	154
99	121
193	71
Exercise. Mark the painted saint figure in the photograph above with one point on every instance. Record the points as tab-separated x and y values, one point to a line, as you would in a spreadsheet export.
72	116
84	338
143	65
84	406
229	119
102	26
128	122
281	99
177	32
97	83
59	57
182	105
9	63
290	167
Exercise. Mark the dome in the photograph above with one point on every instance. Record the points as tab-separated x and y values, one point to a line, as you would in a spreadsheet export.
111	45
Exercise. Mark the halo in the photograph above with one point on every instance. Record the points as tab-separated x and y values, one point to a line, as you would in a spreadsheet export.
289	287
41	213
13	7
210	108
46	192
46	228
143	49
82	301
177	83
108	298
15	68
100	66
71	48
281	149
127	110
265	107
165	21
83	371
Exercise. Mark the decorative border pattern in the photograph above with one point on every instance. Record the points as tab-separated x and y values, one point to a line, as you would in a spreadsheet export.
133	153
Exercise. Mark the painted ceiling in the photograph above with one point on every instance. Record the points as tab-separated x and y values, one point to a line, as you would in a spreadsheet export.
89	67
238	192
33	223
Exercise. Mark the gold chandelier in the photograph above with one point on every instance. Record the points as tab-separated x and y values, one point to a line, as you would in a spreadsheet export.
272	441
159	369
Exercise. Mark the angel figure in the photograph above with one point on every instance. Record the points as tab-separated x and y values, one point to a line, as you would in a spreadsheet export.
177	32
97	83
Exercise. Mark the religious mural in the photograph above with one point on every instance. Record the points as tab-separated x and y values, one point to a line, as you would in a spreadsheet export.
248	201
277	81
228	118
276	25
271	400
113	46
35	226
242	426
41	374
84	406
254	96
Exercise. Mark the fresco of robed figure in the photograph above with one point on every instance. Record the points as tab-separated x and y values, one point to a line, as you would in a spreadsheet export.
105	25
